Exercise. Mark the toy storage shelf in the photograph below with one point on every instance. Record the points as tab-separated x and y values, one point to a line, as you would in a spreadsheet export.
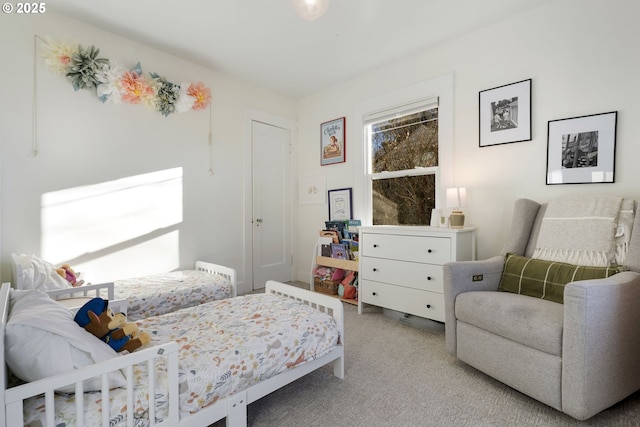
335	263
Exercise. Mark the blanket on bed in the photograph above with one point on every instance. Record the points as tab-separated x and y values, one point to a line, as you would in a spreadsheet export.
158	294
225	346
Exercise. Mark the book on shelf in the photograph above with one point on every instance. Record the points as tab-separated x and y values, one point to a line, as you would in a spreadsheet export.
351	244
339	251
353	224
326	250
334	225
346	228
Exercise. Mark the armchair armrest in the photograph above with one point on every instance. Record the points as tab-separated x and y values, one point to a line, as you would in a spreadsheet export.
465	276
601	343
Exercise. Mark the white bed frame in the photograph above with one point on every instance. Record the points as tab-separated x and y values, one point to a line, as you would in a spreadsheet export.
96	290
74	298
220	270
233	407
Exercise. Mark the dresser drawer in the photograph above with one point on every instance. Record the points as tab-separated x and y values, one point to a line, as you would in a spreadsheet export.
405	300
409	274
432	250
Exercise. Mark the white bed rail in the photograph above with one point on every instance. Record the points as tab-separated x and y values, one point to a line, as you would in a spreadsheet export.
220	270
85	291
14	397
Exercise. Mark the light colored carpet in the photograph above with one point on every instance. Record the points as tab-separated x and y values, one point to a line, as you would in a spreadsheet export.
399	375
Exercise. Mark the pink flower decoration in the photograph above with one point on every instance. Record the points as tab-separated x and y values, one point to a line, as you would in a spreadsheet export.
134	88
57	55
202	95
64	59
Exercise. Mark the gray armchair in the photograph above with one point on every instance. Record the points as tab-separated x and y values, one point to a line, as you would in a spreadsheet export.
579	357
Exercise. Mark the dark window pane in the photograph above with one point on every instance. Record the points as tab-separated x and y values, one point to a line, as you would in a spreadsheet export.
406	142
403	201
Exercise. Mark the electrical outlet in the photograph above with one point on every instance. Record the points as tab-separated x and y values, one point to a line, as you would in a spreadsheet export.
477	277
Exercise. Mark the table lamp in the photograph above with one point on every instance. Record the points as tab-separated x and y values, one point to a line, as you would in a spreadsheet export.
456	199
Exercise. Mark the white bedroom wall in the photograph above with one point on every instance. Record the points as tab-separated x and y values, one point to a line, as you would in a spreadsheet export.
580	55
85	146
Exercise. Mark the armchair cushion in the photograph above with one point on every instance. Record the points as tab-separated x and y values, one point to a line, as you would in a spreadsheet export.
546	279
528	321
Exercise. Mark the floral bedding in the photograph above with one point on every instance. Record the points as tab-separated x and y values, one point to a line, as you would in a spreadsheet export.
166	292
225	346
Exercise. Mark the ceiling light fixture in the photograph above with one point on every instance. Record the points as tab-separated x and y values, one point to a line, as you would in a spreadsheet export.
310	9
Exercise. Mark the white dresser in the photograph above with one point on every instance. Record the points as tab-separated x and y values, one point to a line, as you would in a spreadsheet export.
401	266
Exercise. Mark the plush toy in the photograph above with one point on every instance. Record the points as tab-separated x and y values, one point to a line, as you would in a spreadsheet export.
67	273
321	271
97	318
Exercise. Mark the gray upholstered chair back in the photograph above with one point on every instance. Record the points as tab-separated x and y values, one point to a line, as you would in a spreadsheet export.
525	227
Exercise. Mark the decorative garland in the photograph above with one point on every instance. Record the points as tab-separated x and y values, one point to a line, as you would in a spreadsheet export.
112	82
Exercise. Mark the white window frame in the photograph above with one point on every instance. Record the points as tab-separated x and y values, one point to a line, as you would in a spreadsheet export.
440	87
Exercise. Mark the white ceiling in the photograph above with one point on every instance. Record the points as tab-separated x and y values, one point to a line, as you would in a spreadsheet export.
265	42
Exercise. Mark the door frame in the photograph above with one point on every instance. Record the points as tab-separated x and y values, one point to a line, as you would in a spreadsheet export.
250	115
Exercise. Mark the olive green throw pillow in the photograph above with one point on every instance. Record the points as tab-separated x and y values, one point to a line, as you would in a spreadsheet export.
546	279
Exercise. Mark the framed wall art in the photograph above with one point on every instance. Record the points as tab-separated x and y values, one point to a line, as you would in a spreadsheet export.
582	150
505	114
332	142
311	189
340	204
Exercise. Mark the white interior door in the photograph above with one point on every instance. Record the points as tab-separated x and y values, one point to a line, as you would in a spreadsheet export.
271	204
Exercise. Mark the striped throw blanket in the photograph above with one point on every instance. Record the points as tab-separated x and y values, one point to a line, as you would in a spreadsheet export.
579	230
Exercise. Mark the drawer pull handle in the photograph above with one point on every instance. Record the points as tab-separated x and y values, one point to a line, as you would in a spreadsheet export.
375	269
428	277
429	251
428	305
375	245
374	294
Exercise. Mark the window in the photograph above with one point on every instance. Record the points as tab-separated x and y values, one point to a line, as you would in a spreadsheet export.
403	164
406	152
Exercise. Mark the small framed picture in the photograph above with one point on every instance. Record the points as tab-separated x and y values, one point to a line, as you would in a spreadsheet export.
332	142
582	150
312	189
340	204
505	114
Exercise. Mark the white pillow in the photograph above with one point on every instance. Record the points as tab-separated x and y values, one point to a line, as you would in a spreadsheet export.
35	273
42	340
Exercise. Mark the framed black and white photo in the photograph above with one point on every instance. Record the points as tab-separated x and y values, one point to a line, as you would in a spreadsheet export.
505	114
582	150
340	204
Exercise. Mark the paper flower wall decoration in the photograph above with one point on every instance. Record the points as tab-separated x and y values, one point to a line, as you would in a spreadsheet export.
113	83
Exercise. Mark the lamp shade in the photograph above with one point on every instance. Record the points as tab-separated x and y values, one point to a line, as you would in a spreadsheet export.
310	9
456	197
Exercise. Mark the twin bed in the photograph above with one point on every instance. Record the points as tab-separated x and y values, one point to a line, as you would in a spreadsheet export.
166	292
146	296
204	363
